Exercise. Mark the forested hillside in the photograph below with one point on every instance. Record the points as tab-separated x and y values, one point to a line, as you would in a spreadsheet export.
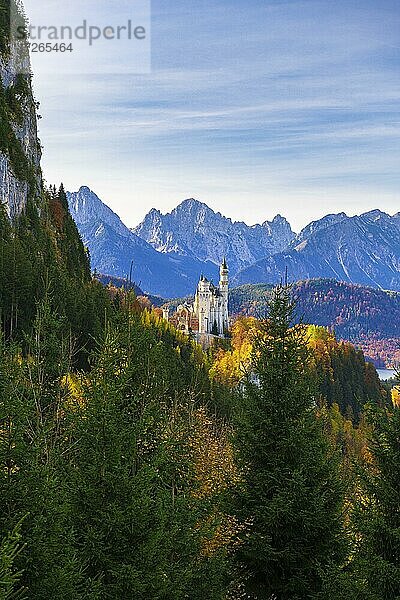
340	373
41	253
367	317
42	256
113	477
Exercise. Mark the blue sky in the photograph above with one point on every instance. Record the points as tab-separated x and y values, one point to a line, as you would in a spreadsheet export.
255	108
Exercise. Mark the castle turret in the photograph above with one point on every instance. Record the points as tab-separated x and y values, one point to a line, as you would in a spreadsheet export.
224	291
202	304
224	276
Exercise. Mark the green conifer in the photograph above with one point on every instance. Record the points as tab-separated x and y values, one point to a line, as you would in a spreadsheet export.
292	498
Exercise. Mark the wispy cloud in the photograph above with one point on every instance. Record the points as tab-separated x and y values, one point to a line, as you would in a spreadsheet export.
281	100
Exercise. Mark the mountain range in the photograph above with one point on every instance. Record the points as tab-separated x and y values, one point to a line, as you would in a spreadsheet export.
114	249
193	229
363	249
169	252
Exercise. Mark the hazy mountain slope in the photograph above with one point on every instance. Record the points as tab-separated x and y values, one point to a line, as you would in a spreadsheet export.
363	249
113	247
193	229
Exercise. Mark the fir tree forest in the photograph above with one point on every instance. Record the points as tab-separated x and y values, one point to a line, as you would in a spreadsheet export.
134	465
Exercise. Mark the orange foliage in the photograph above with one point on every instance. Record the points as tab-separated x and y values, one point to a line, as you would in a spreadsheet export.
212	454
57	213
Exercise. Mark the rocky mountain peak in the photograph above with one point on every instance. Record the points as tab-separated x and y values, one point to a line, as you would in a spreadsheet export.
194	229
319	225
84	204
191	209
87	208
190	204
279	219
374	215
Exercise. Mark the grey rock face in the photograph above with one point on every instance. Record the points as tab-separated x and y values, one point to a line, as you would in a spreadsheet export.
193	229
13	191
114	249
363	249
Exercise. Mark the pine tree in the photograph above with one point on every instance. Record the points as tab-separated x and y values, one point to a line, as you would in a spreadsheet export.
34	450
291	497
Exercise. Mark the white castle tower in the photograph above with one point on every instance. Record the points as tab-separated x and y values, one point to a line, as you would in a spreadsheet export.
224	291
211	303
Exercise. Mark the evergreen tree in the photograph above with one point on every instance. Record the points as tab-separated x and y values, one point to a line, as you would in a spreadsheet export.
291	497
10	547
139	525
33	450
377	511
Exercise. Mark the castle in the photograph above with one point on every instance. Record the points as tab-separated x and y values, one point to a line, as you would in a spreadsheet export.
208	315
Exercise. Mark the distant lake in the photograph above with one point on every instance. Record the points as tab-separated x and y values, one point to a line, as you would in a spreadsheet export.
385	374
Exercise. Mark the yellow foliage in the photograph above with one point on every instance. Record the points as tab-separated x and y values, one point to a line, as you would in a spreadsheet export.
230	366
315	334
350	439
396	396
73	386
